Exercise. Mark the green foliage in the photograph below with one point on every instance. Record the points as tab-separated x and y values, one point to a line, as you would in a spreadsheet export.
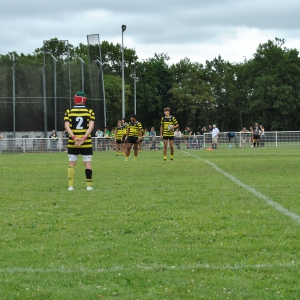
222	78
154	82
113	92
274	78
191	95
161	230
263	89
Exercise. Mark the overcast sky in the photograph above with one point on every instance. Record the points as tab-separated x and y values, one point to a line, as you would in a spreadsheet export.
197	29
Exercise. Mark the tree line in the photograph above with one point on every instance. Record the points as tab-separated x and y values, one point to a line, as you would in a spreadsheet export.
263	89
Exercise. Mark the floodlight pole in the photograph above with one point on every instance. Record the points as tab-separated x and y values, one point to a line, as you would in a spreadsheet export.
55	93
14	93
123	88
82	73
103	90
134	74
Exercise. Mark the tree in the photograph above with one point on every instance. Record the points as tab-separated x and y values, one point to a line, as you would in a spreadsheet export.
274	78
154	82
191	95
222	79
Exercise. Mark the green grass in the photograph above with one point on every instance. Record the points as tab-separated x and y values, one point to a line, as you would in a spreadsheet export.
151	229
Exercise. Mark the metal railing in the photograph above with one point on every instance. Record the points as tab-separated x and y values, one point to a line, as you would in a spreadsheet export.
193	142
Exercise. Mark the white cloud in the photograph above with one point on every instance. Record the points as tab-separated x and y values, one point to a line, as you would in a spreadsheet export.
196	29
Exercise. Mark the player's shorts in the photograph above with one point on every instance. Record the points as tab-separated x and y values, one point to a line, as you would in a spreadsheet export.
82	151
123	139
170	138
256	137
132	140
118	141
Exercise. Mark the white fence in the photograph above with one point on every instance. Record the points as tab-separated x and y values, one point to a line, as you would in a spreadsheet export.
194	142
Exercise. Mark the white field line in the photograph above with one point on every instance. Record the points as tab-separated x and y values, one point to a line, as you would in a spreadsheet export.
268	200
149	268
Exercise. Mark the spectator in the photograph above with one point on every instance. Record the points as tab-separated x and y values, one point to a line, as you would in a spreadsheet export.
53	140
146	138
244	136
214	137
99	136
191	138
209	133
256	135
200	134
186	134
177	137
152	135
106	135
262	136
251	137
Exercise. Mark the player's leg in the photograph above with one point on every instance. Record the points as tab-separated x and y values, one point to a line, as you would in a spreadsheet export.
87	161
71	170
165	141
128	149
171	144
136	149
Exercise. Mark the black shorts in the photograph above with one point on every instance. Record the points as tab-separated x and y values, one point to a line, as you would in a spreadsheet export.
123	139
82	151
170	138
132	140
118	141
256	137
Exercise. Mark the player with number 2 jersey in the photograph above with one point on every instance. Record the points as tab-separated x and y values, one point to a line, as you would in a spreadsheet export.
79	124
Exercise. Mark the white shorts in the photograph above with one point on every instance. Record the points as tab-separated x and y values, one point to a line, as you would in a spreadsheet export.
73	157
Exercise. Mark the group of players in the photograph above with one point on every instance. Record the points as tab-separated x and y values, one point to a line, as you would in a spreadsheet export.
79	124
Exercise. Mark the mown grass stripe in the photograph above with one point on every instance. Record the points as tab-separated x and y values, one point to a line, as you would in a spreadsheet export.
148	268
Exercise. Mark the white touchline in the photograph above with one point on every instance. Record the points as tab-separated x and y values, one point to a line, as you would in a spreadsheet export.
269	201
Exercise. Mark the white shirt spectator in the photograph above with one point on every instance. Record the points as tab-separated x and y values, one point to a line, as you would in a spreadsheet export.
214	132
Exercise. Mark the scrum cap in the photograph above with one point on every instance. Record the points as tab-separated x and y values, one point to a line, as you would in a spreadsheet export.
79	98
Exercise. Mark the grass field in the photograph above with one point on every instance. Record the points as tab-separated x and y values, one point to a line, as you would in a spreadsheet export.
221	224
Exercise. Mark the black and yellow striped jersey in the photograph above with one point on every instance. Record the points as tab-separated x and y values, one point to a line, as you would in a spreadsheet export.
119	133
166	122
133	128
79	118
124	126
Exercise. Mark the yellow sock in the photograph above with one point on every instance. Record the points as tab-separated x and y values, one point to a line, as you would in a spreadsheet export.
172	156
135	157
165	157
71	175
89	182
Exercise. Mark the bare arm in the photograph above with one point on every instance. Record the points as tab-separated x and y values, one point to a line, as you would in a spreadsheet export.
161	130
68	129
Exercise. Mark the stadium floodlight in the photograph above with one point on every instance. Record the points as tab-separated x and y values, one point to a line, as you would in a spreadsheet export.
134	74
14	91
82	73
55	60
123	88
103	89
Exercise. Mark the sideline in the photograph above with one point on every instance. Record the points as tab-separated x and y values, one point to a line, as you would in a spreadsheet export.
250	189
